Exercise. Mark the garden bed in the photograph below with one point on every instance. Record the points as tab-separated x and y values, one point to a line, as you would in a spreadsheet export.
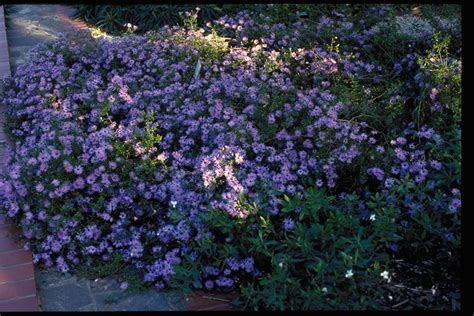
300	156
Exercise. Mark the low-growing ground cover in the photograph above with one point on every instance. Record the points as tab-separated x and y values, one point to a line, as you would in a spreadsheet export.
300	158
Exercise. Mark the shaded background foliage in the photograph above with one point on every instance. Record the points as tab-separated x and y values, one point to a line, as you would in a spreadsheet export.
112	18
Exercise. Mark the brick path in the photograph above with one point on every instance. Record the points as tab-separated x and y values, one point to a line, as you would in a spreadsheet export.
17	281
201	301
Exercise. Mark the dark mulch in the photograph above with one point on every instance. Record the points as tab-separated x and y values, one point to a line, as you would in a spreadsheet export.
419	284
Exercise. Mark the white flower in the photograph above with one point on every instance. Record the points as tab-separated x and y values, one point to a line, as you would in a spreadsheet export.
372	217
384	275
239	158
324	289
280	264
349	274
173	204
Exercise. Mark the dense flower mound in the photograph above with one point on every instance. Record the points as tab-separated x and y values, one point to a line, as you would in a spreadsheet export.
125	144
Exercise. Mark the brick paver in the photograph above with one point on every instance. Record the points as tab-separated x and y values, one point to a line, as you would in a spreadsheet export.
18	256
17	282
201	301
21	304
21	289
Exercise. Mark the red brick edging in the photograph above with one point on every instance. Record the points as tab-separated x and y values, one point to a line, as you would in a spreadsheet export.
202	301
17	278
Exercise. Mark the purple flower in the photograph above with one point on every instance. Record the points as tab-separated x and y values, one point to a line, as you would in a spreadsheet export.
255	124
79	183
454	205
67	166
209	284
39	187
288	224
61	264
42	215
224	282
449	236
394	247
78	170
436	165
377	173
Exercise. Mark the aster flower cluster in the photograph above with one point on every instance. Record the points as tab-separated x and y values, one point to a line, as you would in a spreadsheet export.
115	135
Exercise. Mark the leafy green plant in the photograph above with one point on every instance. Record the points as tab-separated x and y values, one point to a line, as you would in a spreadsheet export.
443	73
113	18
308	266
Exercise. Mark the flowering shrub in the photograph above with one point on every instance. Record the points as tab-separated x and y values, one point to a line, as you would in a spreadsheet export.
247	153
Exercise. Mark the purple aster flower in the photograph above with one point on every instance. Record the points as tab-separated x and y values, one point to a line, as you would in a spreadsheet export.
78	170
288	224
124	285
209	284
449	236
39	187
436	165
377	173
394	247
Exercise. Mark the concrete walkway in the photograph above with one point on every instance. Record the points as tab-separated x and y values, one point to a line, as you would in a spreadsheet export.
66	292
29	25
4	57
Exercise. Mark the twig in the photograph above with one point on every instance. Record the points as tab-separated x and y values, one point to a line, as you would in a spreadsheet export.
377	97
216	299
401	303
410	288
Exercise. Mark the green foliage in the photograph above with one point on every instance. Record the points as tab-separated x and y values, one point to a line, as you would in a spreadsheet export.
210	48
300	265
305	267
444	73
7	11
105	269
113	18
134	279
